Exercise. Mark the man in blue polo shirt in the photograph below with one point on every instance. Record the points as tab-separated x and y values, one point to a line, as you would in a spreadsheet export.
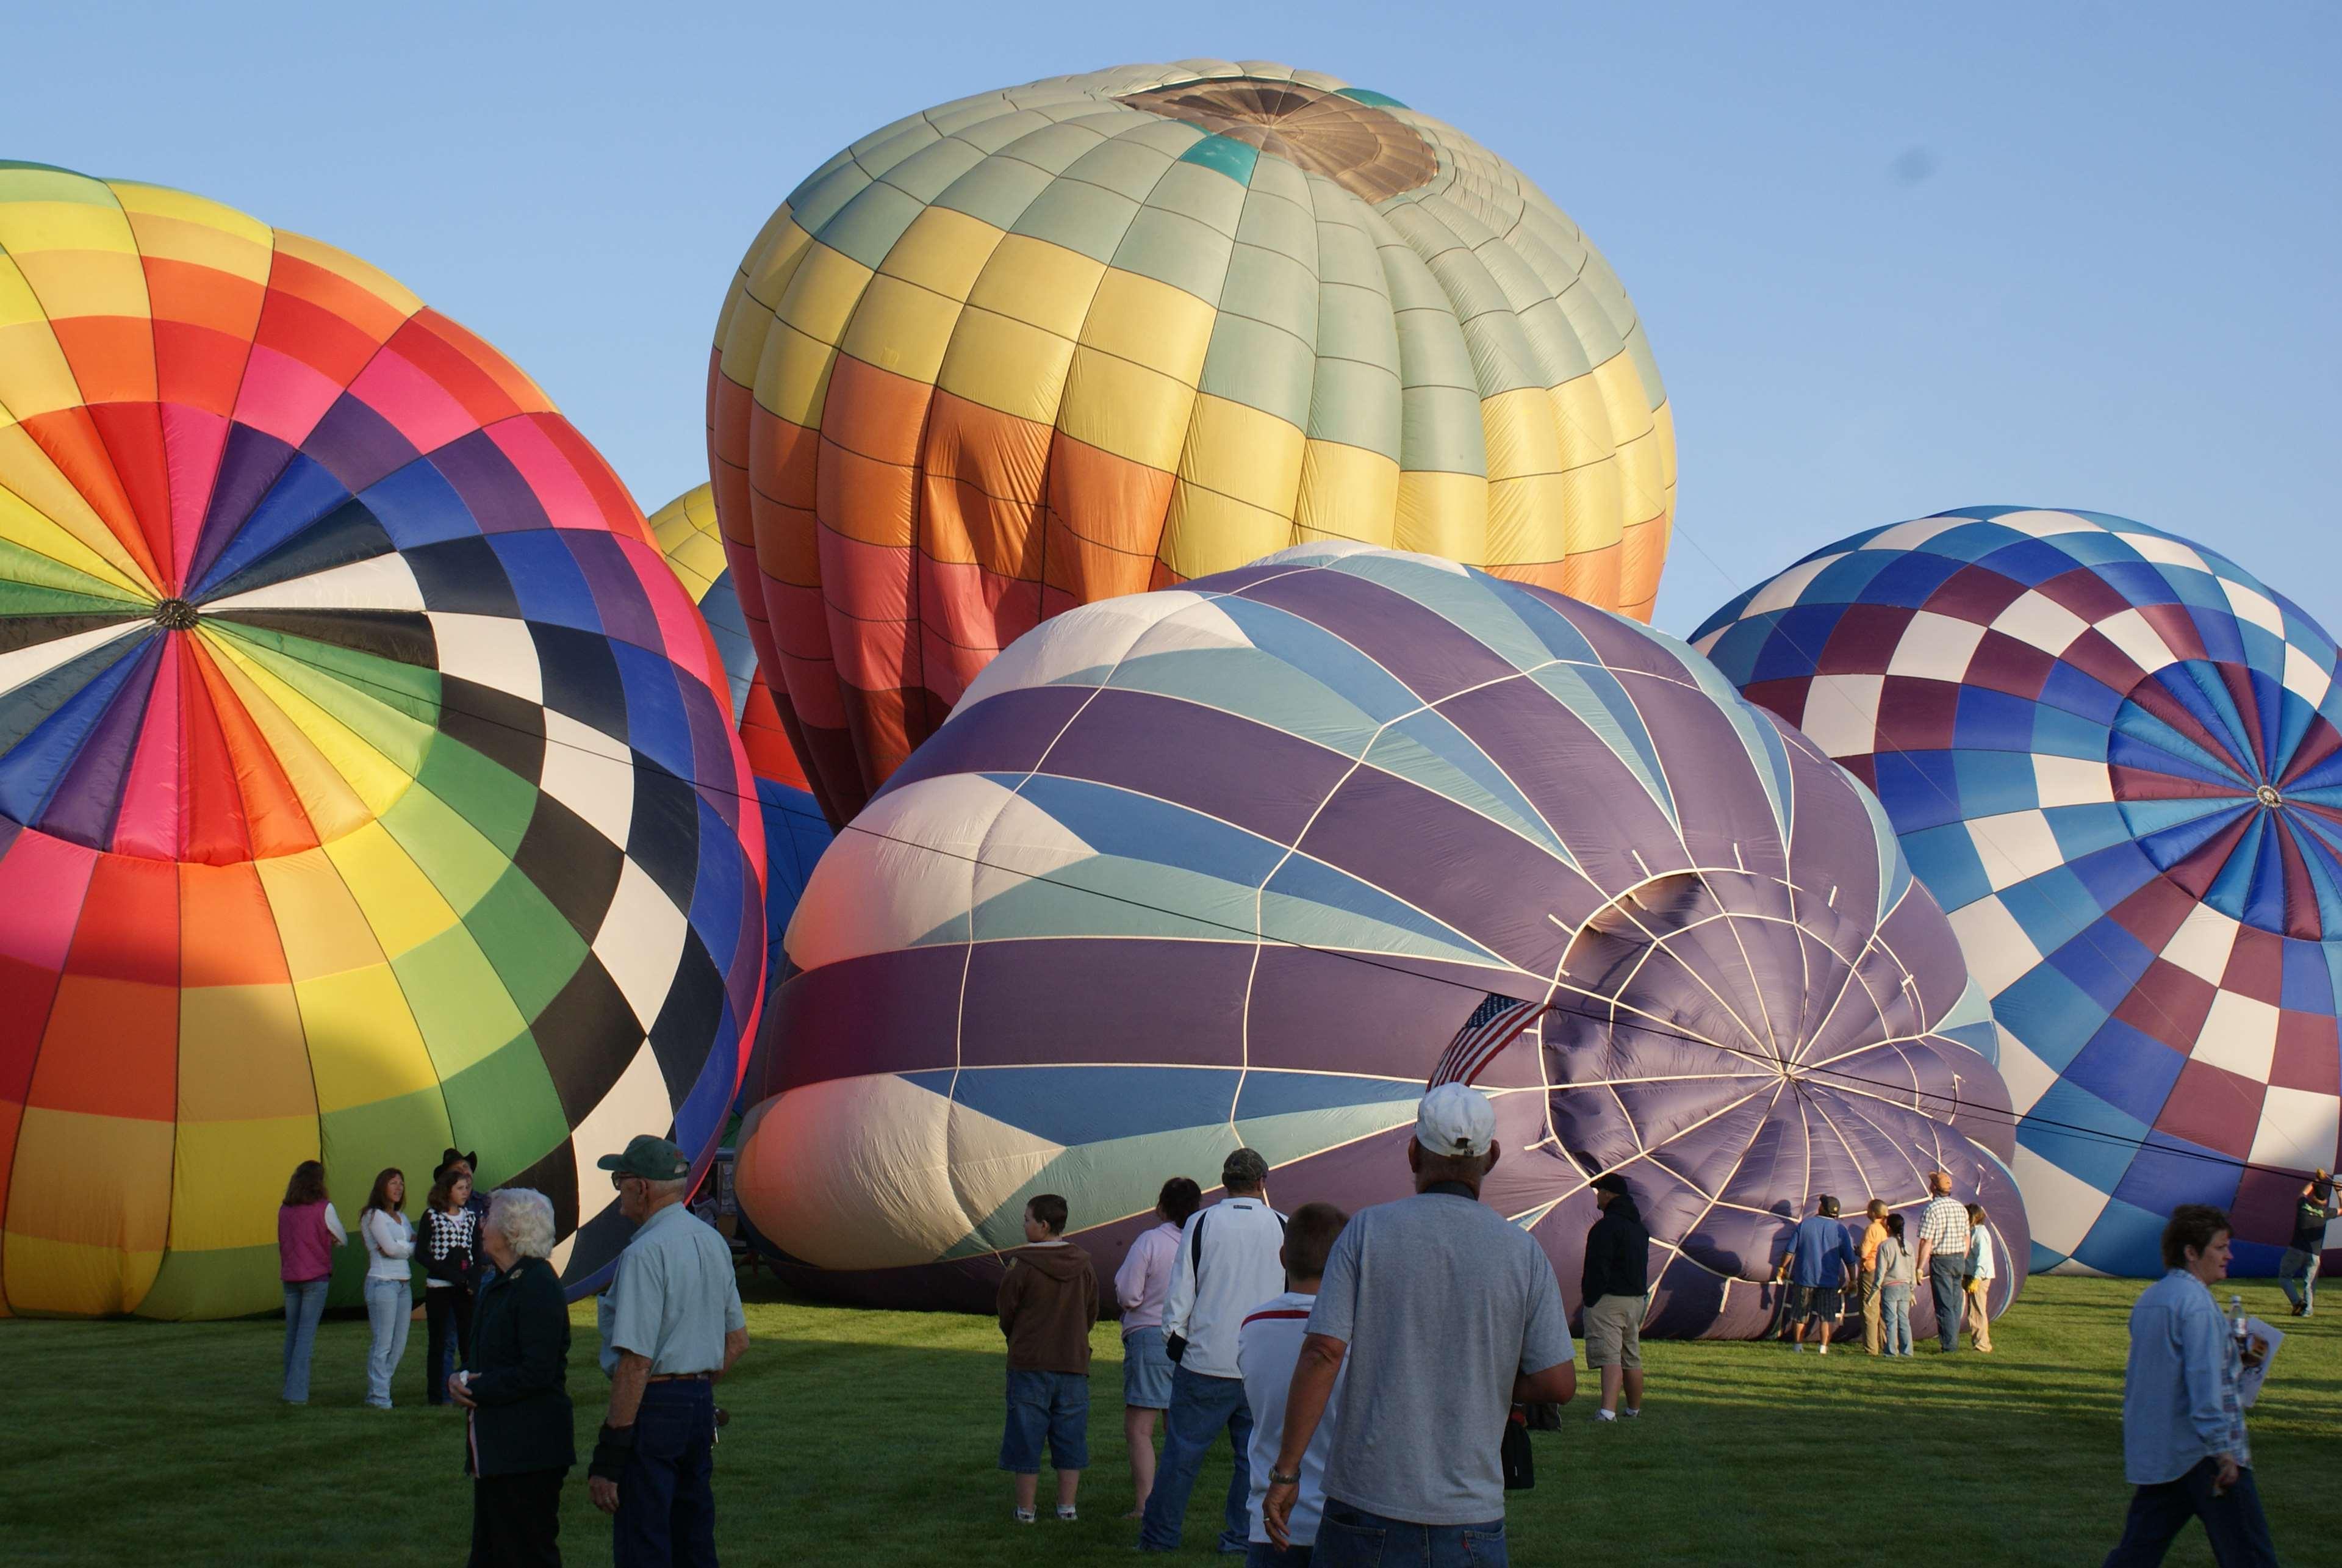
1819	1265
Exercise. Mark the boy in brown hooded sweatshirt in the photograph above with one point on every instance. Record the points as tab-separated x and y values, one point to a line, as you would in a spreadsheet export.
1048	1300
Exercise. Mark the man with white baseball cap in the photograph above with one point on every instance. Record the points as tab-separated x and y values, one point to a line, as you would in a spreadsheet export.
1447	1314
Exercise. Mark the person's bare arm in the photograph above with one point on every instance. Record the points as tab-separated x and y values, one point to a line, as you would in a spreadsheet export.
735	1345
626	1385
1305	1406
1557	1384
1926	1250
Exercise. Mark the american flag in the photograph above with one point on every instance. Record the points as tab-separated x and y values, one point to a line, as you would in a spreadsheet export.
1495	1024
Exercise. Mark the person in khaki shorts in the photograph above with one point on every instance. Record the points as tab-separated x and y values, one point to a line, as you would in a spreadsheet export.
1874	1233
1616	1277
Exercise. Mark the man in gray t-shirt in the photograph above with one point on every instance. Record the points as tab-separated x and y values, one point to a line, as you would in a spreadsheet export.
1447	1314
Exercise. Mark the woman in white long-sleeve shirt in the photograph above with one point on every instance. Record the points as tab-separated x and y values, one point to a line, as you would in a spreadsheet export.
389	1297
1140	1285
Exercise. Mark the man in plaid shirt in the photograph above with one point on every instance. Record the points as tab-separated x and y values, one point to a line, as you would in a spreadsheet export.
1944	1256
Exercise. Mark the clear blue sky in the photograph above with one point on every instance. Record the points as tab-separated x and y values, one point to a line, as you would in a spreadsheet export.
1892	259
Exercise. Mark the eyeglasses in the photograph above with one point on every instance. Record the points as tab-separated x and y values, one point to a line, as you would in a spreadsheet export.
618	1180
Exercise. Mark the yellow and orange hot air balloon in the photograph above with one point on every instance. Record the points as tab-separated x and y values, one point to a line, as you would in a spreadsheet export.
1105	334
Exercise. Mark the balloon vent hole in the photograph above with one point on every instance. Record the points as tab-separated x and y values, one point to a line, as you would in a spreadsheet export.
2268	796
176	615
1362	147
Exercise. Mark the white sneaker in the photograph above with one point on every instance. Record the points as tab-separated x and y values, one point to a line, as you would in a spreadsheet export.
1606	1415
1824	1347
1629	1413
1025	1516
1065	1513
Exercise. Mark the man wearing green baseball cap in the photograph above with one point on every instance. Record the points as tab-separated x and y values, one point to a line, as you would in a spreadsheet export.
671	1325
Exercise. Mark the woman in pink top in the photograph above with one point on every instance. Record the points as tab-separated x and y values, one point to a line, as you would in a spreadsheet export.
1140	1285
307	1232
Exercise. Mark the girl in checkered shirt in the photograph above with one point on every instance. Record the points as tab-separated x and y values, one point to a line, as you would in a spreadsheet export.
449	1246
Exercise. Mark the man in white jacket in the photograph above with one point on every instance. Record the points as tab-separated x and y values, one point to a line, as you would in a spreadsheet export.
1227	1265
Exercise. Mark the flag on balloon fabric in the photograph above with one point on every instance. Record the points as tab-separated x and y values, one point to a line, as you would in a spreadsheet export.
1495	1024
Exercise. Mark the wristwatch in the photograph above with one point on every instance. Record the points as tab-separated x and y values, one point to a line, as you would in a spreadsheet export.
1275	1479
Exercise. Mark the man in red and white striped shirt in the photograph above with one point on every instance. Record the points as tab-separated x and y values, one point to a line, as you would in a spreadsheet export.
1269	1344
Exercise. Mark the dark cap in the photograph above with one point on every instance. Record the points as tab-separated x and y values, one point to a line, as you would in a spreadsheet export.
1244	1168
653	1159
1612	1183
1829	1205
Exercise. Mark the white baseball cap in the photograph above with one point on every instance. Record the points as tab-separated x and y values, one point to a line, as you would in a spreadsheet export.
1455	1119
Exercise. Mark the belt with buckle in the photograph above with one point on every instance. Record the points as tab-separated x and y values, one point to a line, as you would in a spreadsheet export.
680	1377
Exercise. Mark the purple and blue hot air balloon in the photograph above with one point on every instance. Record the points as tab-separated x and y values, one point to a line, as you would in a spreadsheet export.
1234	863
2114	758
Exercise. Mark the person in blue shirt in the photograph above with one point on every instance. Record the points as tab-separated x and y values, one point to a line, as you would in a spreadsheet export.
2184	1443
1819	1264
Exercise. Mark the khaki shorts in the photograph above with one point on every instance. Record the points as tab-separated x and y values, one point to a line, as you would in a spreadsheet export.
1614	1332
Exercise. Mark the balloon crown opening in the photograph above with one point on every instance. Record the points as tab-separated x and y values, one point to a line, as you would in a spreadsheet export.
175	615
1360	147
2268	796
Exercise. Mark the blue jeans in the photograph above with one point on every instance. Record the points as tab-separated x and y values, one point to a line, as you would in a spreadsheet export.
1200	1407
1055	1405
2240	1531
2298	1273
666	1494
1895	1319
389	1303
1947	1277
1268	1554
1351	1537
304	1303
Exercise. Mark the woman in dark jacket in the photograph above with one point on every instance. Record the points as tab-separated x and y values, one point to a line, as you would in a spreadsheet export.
519	1443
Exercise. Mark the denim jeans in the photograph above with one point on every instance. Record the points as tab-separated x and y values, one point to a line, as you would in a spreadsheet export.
1895	1319
447	1343
1055	1406
666	1494
1200	1407
2298	1273
1351	1537
1268	1554
2240	1531
1947	1277
304	1303
388	1301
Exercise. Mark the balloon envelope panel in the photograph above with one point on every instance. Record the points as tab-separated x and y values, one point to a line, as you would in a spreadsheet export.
2112	755
795	832
365	784
1101	334
1234	863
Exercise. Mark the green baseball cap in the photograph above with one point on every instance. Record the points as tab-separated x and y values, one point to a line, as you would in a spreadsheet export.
653	1159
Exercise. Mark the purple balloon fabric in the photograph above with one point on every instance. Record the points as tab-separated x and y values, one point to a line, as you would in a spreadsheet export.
1234	863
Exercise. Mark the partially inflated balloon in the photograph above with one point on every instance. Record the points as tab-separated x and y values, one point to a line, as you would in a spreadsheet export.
2116	758
1101	334
366	784
1234	863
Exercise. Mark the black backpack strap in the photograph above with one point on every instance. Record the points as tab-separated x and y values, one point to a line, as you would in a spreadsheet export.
1195	1249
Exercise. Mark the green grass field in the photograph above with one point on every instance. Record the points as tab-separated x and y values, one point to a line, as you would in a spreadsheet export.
863	1437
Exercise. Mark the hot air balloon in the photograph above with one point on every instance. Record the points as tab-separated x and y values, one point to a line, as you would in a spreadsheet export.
1103	333
795	832
366	784
1236	862
2111	754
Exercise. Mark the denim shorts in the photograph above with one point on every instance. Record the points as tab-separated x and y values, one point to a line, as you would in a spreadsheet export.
1146	1370
1055	1405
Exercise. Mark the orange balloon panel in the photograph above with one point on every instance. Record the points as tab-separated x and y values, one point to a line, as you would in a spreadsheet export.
1100	334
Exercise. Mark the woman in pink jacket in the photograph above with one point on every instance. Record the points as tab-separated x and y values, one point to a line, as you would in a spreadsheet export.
307	1232
1140	1285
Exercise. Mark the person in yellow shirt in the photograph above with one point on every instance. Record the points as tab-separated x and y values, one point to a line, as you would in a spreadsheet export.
1874	1233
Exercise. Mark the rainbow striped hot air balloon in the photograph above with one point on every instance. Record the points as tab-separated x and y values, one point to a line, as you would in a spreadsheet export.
1103	333
365	783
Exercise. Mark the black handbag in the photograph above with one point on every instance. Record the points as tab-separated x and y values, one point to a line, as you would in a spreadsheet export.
1519	1459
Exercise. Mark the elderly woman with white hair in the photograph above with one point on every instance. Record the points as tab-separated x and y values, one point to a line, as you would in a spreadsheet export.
520	1442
